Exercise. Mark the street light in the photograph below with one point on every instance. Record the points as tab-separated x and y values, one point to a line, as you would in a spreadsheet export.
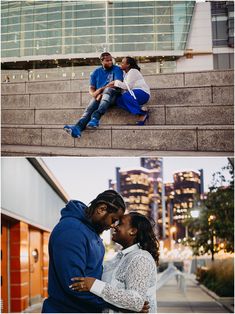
195	213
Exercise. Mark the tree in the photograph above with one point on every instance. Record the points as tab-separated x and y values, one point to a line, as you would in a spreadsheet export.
215	225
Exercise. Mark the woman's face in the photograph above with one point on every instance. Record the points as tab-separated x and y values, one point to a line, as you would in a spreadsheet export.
124	64
123	233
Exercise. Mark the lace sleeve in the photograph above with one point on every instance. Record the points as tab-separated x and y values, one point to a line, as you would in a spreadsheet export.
120	84
137	280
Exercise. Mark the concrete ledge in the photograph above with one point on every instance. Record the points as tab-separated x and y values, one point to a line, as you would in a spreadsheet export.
219	140
15	101
56	137
13	88
71	100
164	80
146	138
57	116
21	136
214	77
43	87
182	95
218	115
226	302
159	115
223	94
21	150
13	116
209	78
164	139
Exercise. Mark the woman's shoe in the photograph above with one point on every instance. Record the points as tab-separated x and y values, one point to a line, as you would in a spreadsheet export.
142	122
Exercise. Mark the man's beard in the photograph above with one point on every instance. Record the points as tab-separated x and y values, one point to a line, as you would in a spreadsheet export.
98	228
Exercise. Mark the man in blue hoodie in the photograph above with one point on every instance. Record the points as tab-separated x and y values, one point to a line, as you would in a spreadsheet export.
103	96
76	249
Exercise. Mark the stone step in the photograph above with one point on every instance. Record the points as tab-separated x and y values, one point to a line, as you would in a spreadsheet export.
159	115
146	138
160	96
23	150
80	77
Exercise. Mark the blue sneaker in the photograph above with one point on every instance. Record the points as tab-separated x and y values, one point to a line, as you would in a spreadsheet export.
68	129
94	123
73	130
76	132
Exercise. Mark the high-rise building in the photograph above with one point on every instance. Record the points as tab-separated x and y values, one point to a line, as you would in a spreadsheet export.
134	187
169	203
142	189
188	186
157	192
222	15
175	35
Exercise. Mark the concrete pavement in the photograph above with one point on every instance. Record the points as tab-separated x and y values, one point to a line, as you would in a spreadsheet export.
172	300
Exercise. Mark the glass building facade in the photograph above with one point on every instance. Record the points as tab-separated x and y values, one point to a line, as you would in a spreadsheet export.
85	28
187	187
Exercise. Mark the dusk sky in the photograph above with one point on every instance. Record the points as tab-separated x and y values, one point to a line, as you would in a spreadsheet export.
83	178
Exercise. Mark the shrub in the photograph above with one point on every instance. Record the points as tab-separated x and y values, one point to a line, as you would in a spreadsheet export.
219	277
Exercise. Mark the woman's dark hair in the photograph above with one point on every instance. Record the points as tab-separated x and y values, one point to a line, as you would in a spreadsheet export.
133	63
109	197
146	236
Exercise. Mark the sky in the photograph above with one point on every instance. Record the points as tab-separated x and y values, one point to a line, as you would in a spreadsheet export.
83	178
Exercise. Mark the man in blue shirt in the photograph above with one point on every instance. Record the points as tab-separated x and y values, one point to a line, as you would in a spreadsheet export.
76	249
103	96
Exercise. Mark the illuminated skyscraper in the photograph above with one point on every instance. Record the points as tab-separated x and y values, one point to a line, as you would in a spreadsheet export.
188	185
142	189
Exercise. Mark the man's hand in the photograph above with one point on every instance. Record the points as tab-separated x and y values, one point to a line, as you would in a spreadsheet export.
111	84
98	98
97	92
145	308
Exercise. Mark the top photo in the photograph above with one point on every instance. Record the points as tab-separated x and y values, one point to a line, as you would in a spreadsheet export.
117	78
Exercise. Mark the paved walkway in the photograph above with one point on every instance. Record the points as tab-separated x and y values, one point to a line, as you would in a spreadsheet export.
172	300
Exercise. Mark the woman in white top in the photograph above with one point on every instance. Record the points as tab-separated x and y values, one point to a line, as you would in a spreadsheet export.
136	92
129	279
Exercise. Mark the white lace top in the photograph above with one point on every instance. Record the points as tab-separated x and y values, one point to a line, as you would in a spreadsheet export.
133	79
128	280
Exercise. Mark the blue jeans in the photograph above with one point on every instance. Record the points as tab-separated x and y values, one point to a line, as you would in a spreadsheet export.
96	109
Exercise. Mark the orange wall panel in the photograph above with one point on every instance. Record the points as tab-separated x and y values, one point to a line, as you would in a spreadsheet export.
19	285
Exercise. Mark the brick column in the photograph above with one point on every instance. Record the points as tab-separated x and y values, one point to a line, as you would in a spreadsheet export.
45	261
19	266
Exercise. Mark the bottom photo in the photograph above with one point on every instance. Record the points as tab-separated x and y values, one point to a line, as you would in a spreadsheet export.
117	234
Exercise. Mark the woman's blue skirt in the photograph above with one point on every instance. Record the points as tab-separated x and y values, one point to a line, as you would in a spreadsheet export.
127	102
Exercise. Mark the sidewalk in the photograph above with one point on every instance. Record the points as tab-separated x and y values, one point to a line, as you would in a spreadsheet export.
172	300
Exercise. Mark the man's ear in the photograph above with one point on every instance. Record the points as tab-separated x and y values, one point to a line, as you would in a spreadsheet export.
133	232
101	209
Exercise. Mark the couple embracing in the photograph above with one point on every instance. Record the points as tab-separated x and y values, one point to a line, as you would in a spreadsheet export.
80	281
110	84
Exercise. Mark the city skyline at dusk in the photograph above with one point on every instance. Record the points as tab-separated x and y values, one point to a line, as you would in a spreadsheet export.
83	179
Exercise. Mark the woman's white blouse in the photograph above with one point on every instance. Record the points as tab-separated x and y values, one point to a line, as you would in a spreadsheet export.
128	280
135	80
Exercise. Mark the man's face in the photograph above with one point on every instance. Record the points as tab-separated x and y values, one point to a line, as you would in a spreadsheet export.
107	62
105	220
